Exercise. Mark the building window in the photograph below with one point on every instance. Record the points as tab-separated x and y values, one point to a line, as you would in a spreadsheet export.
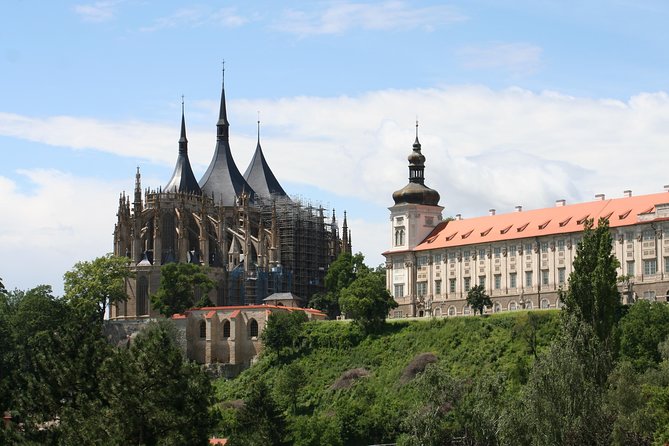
397	314
399	291
466	255
545	304
437	311
528	305
203	329
648	236
528	278
226	329
451	285
399	237
528	249
437	287
467	283
560	245
253	328
481	254
436	258
650	266
544	247
497	307
498	281
482	281
513	306
649	295
421	288
421	261
512	251
630	268
666	264
544	277
451	311
497	252
451	257
561	276
467	309
512	280
629	236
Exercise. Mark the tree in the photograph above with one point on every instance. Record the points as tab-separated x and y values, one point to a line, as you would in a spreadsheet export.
97	283
341	273
259	421
478	299
289	383
3	290
642	329
178	284
283	332
593	292
152	395
367	301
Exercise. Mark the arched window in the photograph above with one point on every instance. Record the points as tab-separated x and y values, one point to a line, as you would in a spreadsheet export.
142	296
203	329
545	304
226	329
253	328
451	310
399	237
467	310
559	304
437	311
497	307
513	306
528	305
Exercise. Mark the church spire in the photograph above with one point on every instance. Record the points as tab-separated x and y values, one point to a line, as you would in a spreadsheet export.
260	177
183	179
137	204
183	142
223	126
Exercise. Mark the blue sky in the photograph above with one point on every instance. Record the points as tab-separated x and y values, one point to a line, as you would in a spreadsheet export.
520	103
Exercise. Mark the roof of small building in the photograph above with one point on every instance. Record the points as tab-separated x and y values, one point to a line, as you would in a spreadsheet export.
561	219
283	296
238	308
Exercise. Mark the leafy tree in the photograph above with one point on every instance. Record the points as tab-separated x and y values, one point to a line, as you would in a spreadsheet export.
259	421
283	332
98	283
367	301
3	290
153	395
526	328
178	282
478	299
642	329
593	292
289	383
341	273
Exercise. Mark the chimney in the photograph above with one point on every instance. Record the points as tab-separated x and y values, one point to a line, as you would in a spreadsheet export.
666	187
560	203
628	193
458	216
491	212
519	209
600	197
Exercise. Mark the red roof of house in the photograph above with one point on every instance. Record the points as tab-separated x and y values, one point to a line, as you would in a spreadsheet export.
237	308
540	222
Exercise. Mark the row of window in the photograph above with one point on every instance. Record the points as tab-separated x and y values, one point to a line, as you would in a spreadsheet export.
252	329
497	307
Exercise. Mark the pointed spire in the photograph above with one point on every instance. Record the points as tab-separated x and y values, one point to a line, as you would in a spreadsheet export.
137	204
223	126
416	144
183	142
344	234
259	175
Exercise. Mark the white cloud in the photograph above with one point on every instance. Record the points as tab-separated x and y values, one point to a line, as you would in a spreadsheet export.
101	11
343	16
198	16
516	58
484	149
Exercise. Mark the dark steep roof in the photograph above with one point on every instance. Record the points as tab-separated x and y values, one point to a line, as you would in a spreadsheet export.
183	180
260	177
222	180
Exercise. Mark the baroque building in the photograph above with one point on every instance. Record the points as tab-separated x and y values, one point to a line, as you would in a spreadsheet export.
254	239
521	258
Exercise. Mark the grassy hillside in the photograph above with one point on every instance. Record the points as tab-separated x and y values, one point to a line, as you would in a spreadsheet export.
372	408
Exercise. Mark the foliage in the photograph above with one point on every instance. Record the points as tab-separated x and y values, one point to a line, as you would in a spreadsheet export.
178	282
642	329
526	329
367	301
327	302
478	299
283	332
341	274
289	382
153	395
593	293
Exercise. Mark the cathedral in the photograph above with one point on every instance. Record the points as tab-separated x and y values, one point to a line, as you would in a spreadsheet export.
522	258
253	238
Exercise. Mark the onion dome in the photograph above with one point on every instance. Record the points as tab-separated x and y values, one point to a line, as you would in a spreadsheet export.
416	192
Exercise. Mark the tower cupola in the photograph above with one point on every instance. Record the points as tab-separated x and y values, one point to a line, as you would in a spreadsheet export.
416	192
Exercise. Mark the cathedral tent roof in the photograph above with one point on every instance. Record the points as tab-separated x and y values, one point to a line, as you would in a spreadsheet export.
183	180
259	175
562	219
222	179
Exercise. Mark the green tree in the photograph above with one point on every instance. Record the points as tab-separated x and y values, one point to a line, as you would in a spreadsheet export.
341	273
642	329
367	301
283	332
593	292
289	383
478	299
153	395
98	283
259	421
526	328
178	284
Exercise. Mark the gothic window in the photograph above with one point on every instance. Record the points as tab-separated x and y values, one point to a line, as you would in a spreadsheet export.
451	311
545	303
253	328
513	306
226	329
203	329
142	296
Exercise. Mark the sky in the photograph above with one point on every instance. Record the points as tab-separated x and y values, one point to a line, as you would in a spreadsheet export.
518	103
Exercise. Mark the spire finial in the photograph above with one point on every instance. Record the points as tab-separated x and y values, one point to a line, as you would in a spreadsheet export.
416	127
182	104
258	126
223	75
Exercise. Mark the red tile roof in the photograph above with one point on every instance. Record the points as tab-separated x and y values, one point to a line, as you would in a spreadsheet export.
540	222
